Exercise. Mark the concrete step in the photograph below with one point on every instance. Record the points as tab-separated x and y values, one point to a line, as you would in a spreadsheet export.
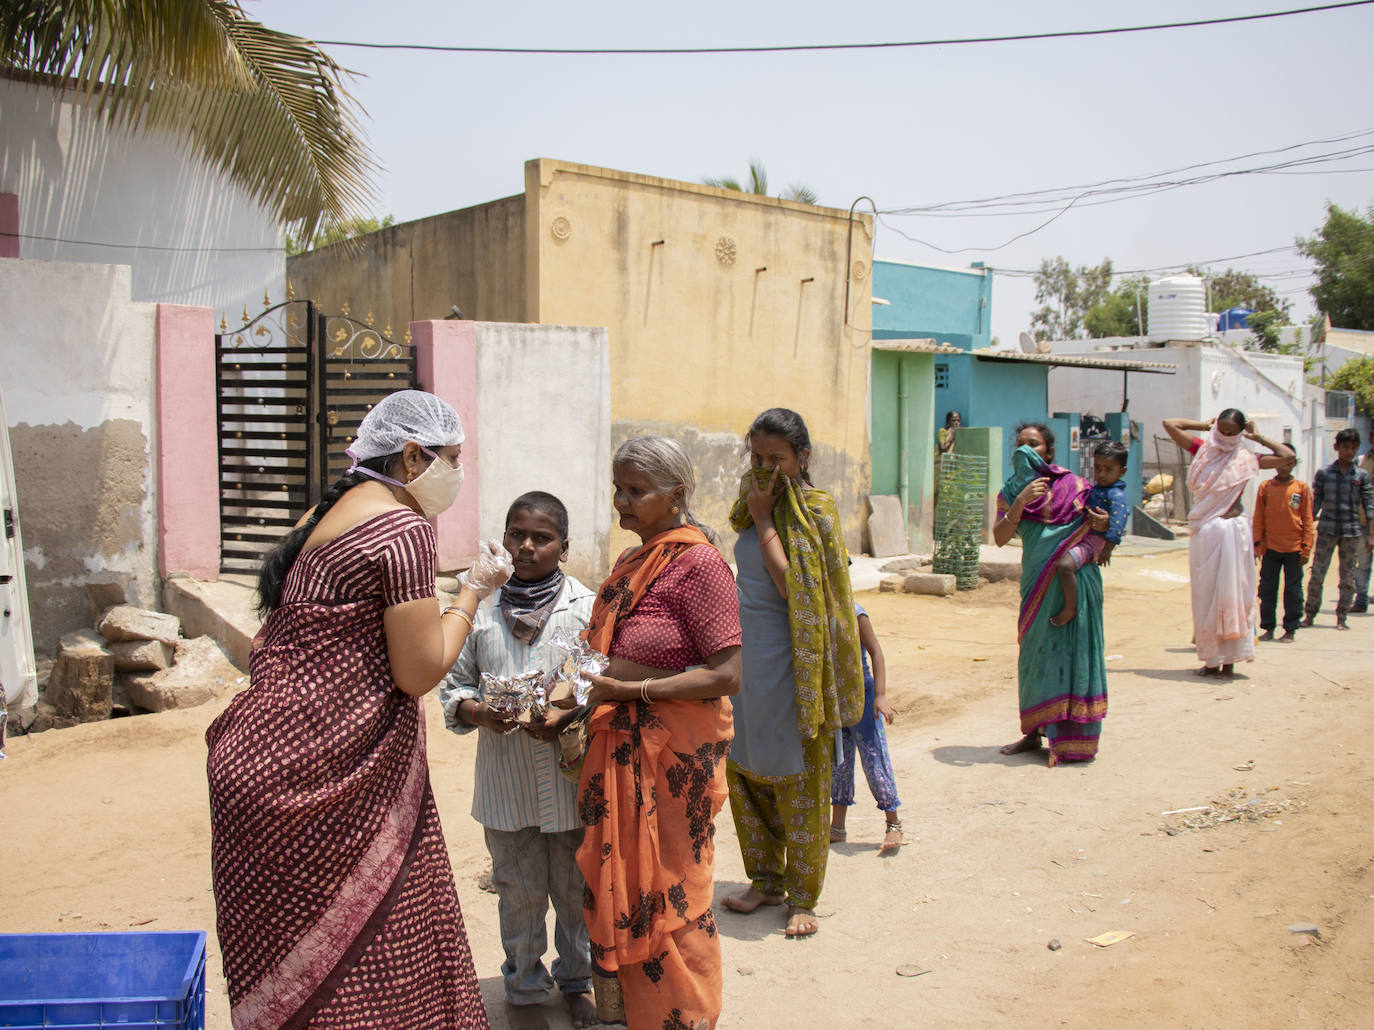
224	610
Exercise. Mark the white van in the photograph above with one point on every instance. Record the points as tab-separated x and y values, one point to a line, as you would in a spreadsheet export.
18	678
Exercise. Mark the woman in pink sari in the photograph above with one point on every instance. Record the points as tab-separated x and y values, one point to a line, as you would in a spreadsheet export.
334	898
1221	548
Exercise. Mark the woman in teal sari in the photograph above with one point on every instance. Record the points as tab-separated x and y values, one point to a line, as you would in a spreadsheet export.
1061	671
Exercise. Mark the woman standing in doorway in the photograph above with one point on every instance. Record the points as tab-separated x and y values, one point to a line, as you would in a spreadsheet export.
803	673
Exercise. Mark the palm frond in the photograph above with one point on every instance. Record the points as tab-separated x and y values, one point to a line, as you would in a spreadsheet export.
758	177
266	108
801	193
723	183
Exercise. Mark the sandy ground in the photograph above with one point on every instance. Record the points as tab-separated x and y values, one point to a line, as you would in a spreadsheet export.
106	828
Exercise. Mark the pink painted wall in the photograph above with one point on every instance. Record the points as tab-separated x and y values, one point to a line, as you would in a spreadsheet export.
187	443
9	225
446	361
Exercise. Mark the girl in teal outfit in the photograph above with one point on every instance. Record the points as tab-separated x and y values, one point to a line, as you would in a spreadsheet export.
1061	671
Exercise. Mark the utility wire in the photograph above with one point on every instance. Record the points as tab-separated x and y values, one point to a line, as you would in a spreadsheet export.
148	246
794	48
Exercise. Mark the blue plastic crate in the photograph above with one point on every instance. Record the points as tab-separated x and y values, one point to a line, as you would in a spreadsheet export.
138	981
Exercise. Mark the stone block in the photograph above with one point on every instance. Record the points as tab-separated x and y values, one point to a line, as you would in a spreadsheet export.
890	584
939	584
201	670
886	527
141	655
996	571
106	595
125	622
82	679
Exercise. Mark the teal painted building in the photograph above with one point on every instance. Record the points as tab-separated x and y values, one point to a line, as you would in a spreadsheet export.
952	306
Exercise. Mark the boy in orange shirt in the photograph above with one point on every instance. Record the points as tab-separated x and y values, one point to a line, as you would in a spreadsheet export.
1284	534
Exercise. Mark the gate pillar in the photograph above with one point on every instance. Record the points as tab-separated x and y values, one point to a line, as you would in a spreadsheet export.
446	365
187	443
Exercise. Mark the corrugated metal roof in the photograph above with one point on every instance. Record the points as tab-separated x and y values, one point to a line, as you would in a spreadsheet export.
1078	361
922	346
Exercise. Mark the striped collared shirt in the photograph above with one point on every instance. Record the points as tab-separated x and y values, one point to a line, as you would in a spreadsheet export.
517	783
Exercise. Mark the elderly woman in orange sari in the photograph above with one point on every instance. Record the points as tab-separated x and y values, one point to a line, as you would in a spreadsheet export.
654	776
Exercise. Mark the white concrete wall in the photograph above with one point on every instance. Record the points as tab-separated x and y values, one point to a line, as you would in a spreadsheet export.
90	193
77	363
544	405
1269	388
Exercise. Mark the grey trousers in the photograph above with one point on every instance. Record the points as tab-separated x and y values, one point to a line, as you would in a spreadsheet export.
1350	549
529	869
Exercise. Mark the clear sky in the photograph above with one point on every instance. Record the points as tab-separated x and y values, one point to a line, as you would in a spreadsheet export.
908	127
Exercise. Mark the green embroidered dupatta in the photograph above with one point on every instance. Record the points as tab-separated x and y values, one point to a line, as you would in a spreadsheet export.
826	659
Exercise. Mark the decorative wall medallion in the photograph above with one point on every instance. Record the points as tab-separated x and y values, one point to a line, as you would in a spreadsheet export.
561	227
725	250
860	271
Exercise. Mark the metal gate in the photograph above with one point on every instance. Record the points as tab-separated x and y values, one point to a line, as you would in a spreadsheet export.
292	385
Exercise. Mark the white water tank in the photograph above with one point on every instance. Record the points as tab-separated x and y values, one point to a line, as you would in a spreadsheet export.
1177	309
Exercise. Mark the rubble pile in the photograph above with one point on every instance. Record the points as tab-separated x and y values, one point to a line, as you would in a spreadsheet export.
133	662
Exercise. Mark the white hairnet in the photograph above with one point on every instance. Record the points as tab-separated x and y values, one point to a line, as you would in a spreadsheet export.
401	417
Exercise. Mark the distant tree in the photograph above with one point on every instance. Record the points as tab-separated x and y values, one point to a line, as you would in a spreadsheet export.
266	108
1118	313
1357	375
758	185
1343	250
1265	327
1066	295
1236	289
336	232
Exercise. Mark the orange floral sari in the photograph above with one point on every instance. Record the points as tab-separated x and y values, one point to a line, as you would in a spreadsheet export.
650	789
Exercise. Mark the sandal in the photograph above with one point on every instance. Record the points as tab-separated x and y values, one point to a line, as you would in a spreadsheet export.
888	844
837	835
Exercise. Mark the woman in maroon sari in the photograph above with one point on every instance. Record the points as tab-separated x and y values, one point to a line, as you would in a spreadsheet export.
334	896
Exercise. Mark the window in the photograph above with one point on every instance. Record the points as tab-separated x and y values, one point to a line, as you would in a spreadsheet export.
941	375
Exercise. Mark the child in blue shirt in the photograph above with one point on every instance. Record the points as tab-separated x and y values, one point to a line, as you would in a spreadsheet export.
1109	495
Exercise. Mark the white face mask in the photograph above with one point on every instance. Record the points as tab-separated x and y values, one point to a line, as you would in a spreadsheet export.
435	489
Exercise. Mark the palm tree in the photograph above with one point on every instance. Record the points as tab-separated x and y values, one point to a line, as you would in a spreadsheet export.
758	184
266	108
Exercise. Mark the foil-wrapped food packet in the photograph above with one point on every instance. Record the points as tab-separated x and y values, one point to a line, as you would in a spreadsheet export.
523	699
570	675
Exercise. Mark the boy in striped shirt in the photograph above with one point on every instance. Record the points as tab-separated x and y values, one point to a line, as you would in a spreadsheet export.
526	805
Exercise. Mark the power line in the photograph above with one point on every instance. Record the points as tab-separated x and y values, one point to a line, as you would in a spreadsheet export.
794	48
147	246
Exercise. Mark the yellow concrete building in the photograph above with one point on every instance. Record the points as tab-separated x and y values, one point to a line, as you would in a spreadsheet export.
718	304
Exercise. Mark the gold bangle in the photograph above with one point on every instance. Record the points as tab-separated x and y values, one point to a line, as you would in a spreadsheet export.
644	690
461	613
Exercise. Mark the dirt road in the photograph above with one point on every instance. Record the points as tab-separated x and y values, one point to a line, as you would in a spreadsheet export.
106	828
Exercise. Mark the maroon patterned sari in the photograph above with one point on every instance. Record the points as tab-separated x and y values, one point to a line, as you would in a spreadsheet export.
334	897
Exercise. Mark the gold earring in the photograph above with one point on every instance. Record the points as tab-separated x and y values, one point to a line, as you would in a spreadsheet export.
675	509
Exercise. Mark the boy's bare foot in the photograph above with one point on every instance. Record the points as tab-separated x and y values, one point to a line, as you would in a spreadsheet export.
1065	615
1341	624
1030	742
583	1009
526	1017
801	922
1267	635
1307	622
1289	636
748	900
892	838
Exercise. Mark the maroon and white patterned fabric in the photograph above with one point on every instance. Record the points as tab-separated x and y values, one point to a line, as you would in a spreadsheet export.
690	612
334	896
